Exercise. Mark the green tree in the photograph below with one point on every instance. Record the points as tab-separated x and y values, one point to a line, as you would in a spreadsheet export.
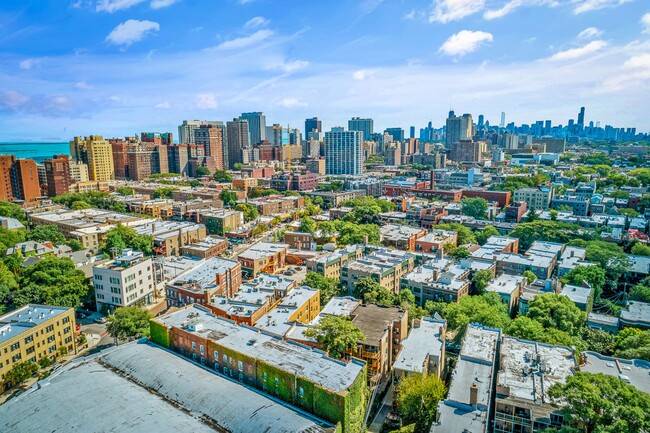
530	276
371	292
328	287
128	322
417	399
483	235
530	329
121	237
459	253
465	234
597	340
640	292
9	238
80	205
12	210
249	210
632	343
48	232
607	255
554	213
228	197
552	231
481	279
237	166
592	275
222	176
20	372
475	207
557	312
202	171
602	403
350	233
307	225
487	309
165	192
640	249
8	284
628	212
335	334
125	190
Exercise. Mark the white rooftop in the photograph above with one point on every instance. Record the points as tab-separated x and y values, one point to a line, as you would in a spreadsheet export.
423	340
505	284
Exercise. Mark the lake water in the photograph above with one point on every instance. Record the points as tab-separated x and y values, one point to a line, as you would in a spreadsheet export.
36	151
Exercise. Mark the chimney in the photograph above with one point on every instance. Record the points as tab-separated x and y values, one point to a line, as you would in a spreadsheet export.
432	178
473	394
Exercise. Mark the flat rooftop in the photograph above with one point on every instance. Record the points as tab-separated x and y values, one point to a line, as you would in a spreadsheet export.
203	275
529	369
263	249
423	340
579	295
505	284
139	387
300	360
340	306
636	312
25	318
373	319
636	372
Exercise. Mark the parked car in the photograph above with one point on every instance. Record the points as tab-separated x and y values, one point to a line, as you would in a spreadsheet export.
100	320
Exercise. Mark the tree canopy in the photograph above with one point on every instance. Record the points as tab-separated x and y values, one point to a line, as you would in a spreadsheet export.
222	176
228	197
601	403
417	399
12	210
20	372
336	334
465	234
97	199
592	275
328	287
128	322
487	309
481	279
552	231
555	311
249	210
122	237
483	235
307	225
475	207
164	192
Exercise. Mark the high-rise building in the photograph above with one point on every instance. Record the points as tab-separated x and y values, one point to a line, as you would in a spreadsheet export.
280	135
97	153
458	128
119	147
178	159
503	119
78	171
481	120
510	141
256	126
313	125
24	180
211	138
238	139
468	151
364	125
343	152
165	138
412	132
57	172
581	117
6	164
186	130
397	133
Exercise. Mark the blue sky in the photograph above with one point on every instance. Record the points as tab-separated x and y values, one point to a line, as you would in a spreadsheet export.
118	67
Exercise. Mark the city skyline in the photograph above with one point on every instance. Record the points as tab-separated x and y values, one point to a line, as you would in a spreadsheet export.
146	65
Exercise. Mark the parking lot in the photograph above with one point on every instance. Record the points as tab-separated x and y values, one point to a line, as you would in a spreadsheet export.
298	277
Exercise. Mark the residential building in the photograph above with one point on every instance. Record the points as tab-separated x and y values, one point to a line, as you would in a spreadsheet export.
344	152
468	151
337	198
583	297
57	171
24	180
423	352
303	377
467	407
439	280
435	240
365	126
34	332
297	305
579	206
124	281
509	288
238	138
527	370
288	181
206	248
256	126
536	198
457	128
220	222
300	240
316	165
78	172
6	189
313	125
330	265
97	153
400	236
516	211
211	138
209	278
164	138
636	315
263	257
385	266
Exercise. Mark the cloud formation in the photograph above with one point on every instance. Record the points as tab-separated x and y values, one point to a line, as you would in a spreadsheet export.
465	42
159	4
30	63
256	22
111	6
445	11
131	31
590	32
645	20
246	41
576	53
582	6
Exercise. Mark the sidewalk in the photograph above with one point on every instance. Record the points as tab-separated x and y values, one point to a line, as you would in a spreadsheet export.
386	406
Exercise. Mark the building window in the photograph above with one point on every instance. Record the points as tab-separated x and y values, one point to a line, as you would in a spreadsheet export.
240	365
202	350
216	355
193	345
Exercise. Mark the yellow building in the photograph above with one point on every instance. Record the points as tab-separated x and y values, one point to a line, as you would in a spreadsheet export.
97	153
33	332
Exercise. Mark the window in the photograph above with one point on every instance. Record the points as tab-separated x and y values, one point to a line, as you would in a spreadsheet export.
216	355
49	328
194	357
30	350
29	339
50	338
15	346
66	330
202	360
52	349
225	358
193	345
16	357
68	340
65	320
202	350
240	365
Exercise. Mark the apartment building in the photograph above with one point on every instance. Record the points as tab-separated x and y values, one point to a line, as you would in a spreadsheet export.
34	332
205	248
309	379
400	236
435	240
536	198
209	278
124	281
527	370
509	288
329	265
170	236
385	266
97	153
220	222
423	352
297	305
263	257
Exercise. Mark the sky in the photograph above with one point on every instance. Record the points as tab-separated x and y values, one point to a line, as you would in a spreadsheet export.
119	67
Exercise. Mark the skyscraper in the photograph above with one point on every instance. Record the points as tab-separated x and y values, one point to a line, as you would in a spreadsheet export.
343	151
412	132
238	139
581	117
397	133
311	125
503	119
481	121
458	128
186	129
256	126
364	125
97	153
211	138
57	172
24	180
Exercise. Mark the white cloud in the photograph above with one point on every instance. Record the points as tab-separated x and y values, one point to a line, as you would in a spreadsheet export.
363	74
465	42
410	15
111	6
367	6
245	2
292	102
159	4
294	65
131	31
83	85
165	105
512	5
445	11
645	20
256	22
246	41
576	53
582	6
30	63
206	101
638	62
590	32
